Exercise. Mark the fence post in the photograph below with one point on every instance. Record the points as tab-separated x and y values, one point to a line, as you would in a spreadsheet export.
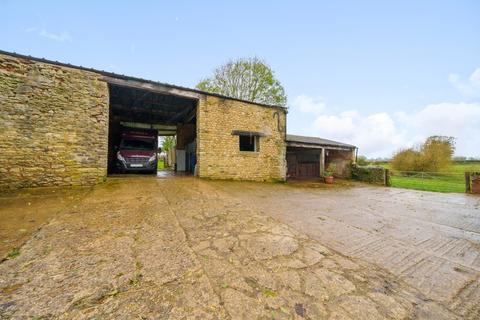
467	182
387	177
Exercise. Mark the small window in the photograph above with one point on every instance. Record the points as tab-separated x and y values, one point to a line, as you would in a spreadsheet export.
248	143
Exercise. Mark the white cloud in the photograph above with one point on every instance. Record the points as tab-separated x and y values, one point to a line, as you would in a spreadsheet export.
308	104
376	134
468	88
460	120
64	36
381	134
446	118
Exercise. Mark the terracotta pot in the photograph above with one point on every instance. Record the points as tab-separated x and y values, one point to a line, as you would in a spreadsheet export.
328	180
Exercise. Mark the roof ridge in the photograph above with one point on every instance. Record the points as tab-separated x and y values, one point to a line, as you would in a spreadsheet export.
316	140
123	76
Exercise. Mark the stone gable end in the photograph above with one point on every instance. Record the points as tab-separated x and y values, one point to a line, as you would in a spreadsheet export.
54	123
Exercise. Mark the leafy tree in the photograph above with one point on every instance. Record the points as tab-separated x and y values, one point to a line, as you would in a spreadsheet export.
406	160
435	154
362	161
247	79
168	143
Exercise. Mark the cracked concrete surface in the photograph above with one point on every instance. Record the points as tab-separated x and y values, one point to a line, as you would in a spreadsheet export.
184	248
429	240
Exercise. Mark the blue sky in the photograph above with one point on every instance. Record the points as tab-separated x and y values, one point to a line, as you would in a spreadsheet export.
379	74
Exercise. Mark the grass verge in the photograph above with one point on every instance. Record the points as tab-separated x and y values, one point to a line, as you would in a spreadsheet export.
160	164
451	181
437	184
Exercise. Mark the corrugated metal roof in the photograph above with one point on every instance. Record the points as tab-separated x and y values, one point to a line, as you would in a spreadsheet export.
122	76
317	141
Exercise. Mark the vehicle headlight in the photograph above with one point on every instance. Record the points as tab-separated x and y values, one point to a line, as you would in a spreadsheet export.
152	158
120	157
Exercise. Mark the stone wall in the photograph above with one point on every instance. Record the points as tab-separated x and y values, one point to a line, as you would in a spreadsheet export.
371	174
54	129
53	125
218	152
342	160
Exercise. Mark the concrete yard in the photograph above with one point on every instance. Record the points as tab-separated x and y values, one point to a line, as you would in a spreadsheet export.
429	240
182	248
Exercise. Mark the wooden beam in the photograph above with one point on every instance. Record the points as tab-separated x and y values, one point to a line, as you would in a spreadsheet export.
322	162
248	133
167	133
180	116
149	126
152	87
131	101
155	112
191	115
314	146
142	117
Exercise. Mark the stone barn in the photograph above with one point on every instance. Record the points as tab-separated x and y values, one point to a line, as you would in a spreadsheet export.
59	124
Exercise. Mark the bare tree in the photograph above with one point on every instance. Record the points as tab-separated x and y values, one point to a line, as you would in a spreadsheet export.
247	79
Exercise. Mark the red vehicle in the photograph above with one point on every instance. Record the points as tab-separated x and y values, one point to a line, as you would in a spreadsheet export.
137	150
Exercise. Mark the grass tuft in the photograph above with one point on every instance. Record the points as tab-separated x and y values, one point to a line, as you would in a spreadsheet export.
269	293
15	252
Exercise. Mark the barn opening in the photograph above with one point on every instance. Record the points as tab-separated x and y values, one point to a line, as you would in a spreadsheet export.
310	157
138	117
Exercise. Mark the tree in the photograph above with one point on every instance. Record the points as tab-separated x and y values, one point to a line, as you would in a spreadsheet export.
362	161
406	160
247	79
168	143
434	155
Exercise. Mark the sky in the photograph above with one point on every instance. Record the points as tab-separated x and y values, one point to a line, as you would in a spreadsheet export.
382	75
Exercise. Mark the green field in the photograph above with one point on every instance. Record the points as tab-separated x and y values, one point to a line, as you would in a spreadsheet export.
451	181
160	164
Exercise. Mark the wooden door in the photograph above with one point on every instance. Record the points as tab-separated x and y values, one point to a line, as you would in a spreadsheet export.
308	170
291	165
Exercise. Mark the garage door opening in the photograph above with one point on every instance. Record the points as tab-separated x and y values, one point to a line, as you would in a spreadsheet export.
137	117
303	163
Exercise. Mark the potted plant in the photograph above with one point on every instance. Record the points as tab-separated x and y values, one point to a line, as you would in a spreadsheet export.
328	174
